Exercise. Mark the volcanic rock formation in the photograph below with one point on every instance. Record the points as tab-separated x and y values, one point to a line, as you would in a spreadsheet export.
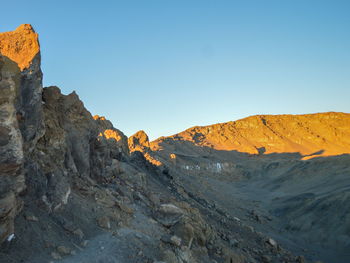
297	167
45	136
75	189
21	116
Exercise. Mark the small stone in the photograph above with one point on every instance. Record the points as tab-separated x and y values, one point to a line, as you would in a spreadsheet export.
300	259
184	248
69	227
78	232
272	242
31	218
104	222
175	241
48	244
63	250
266	259
168	214
125	208
55	255
84	243
138	235
233	242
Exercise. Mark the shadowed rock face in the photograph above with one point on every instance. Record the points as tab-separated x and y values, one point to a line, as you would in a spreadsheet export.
11	148
21	116
47	139
118	142
296	167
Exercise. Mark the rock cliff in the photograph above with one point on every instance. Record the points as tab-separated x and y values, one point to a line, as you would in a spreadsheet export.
47	139
21	116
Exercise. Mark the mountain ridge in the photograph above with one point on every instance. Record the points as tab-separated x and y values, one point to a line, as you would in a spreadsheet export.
327	133
70	180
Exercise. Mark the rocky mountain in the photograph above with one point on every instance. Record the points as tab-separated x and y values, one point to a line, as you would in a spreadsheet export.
295	169
73	188
321	134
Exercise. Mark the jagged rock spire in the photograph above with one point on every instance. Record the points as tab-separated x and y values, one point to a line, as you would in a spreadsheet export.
20	45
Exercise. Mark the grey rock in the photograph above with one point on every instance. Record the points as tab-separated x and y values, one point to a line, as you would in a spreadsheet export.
104	222
11	150
168	214
63	250
272	242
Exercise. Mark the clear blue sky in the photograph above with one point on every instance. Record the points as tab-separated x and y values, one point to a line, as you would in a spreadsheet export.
164	66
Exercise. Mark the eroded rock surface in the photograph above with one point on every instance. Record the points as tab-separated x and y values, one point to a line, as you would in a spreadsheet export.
46	138
20	86
20	45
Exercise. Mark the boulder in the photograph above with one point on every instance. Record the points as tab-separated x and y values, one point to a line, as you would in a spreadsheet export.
104	222
62	250
168	214
11	144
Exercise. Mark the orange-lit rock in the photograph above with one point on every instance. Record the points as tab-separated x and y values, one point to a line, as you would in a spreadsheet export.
117	141
97	117
321	134
140	142
152	159
111	134
20	45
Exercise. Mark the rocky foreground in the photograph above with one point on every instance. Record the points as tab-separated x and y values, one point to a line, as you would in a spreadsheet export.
75	189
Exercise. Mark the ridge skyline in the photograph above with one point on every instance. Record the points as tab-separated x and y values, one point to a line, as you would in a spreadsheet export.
236	70
34	48
201	105
264	188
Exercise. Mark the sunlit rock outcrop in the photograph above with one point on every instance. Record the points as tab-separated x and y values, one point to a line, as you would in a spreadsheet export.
140	142
20	45
321	134
21	116
48	140
117	141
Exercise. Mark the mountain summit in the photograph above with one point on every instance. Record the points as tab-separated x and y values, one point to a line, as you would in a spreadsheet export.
20	45
320	134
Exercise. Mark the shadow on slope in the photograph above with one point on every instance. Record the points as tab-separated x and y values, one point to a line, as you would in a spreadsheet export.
308	198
